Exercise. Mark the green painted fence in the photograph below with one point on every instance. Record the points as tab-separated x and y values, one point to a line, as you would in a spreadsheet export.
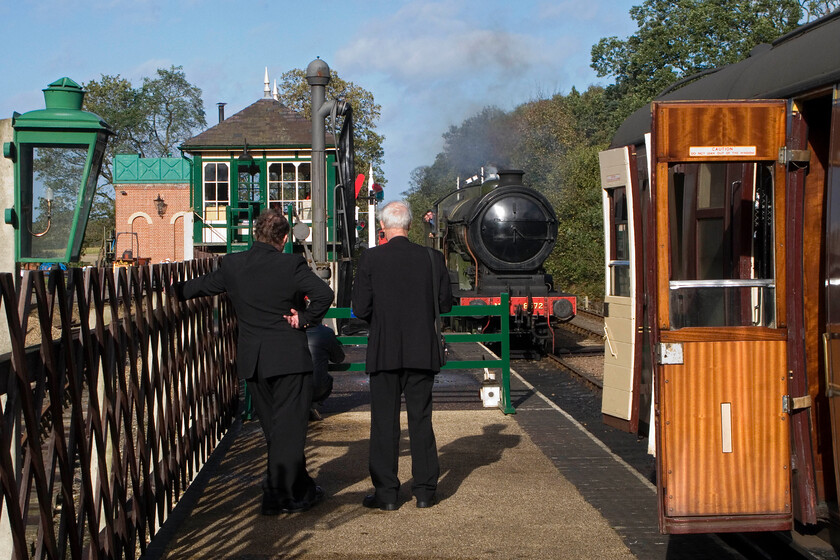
503	362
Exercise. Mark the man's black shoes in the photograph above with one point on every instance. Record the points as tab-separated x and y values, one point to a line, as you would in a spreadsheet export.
371	501
306	505
427	503
272	505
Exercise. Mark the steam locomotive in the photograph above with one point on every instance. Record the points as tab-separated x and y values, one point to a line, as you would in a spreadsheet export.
496	235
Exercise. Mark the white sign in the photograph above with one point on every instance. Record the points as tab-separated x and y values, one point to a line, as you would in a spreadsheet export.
721	151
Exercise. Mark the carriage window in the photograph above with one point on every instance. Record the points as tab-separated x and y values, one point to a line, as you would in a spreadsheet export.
216	191
721	234
619	269
290	183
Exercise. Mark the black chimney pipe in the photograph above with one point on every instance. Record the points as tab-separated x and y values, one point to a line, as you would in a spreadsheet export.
221	111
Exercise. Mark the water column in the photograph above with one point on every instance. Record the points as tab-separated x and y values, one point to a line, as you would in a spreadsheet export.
318	76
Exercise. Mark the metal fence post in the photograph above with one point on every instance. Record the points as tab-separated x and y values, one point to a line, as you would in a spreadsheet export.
506	405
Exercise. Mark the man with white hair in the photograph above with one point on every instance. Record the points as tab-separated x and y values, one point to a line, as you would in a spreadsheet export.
394	292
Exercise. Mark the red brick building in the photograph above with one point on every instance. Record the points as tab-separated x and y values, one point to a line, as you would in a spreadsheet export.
152	208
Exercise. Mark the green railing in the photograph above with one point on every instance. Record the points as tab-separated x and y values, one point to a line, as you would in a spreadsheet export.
503	336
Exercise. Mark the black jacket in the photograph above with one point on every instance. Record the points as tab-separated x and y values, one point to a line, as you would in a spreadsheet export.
393	292
264	284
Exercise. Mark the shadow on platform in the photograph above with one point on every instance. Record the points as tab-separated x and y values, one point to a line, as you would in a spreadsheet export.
499	497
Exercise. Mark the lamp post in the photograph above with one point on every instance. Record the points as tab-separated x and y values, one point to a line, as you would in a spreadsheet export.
57	154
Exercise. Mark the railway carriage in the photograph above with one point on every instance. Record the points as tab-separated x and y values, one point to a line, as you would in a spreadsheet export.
722	222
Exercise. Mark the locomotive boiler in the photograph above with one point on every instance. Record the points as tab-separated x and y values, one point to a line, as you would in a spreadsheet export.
496	235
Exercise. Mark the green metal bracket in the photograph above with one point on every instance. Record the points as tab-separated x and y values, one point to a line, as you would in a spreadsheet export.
9	151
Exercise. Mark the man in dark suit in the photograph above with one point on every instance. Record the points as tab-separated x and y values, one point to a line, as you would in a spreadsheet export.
267	288
394	292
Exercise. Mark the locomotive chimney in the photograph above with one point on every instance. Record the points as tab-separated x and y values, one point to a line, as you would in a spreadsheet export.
510	177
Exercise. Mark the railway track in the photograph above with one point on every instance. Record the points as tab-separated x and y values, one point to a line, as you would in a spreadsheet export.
579	348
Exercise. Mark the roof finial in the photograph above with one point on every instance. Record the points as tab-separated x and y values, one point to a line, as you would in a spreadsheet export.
276	92
266	90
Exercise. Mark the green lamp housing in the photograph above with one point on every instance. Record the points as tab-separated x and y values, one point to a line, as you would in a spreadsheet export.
57	154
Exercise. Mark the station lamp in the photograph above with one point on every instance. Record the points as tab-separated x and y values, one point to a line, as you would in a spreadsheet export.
57	154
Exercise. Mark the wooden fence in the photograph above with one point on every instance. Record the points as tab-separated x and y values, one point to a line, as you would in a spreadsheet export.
112	397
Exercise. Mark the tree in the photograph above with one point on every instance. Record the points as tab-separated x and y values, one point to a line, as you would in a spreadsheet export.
679	39
294	92
814	9
173	109
151	120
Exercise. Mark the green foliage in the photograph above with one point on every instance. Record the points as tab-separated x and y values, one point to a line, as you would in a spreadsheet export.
814	9
151	120
577	262
173	112
679	39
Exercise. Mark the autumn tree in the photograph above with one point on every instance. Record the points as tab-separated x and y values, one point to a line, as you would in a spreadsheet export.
295	93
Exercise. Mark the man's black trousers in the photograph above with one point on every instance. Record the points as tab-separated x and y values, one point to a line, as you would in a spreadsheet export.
385	390
282	405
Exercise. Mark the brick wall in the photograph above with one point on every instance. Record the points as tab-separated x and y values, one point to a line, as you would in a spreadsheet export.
160	238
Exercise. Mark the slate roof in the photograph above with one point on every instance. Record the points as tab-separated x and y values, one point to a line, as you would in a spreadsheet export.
264	124
804	59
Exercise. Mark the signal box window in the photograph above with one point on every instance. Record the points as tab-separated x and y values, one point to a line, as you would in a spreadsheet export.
721	235
619	274
291	183
249	186
216	191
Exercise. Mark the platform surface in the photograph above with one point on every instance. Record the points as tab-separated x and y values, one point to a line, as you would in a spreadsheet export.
500	496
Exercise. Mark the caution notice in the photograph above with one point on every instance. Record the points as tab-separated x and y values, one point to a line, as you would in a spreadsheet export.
721	151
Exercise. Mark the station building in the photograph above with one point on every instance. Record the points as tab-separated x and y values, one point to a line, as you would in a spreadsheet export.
171	209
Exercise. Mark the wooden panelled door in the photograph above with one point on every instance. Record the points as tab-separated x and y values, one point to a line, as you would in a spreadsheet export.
723	438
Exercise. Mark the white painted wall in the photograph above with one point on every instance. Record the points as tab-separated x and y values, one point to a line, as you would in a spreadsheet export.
7	264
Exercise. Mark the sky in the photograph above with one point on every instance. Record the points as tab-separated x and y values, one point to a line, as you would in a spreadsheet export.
429	64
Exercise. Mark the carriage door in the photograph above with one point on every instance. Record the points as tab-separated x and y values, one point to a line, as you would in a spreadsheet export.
723	439
622	393
832	284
